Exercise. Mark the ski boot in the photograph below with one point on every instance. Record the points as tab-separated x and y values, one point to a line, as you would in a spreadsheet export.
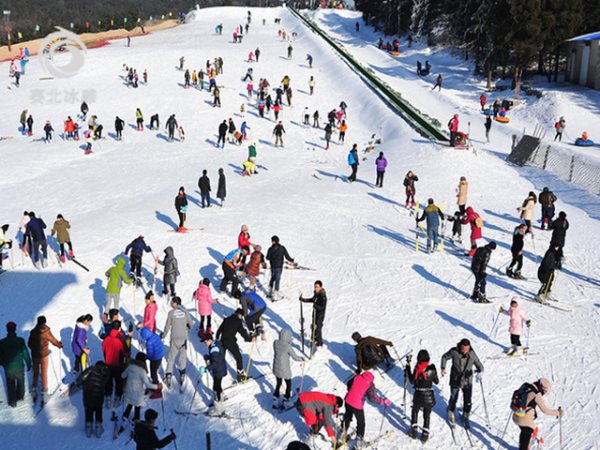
451	417
475	295
201	334
89	429
44	263
512	350
465	419
412	433
482	298
63	259
287	403
509	273
99	430
34	395
425	435
276	403
435	247
429	249
168	380
44	398
209	331
71	255
241	376
518	276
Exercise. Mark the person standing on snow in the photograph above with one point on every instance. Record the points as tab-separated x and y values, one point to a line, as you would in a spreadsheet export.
217	366
39	341
517	252
222	133
309	59
353	162
527	209
155	353
150	310
482	101
36	235
275	256
560	128
119	124
473	219
170	272
204	186
257	53
463	358
171	126
48	130
139	119
61	229
178	323
311	85
488	127
116	276
479	264
30	125
517	319
138	246
181	205
319	301
523	405
13	357
559	232
360	387
438	83
453	127
222	187
409	186
203	296
290	49
380	164
113	349
433	214
547	199
79	342
230	327
93	380
550	263
328	133
278	132
461	194
342	131
282	352
422	378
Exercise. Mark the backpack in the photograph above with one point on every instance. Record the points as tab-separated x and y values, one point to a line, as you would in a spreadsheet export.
557	125
479	222
372	355
518	404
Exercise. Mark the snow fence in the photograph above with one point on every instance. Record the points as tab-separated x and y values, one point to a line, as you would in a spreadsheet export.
425	125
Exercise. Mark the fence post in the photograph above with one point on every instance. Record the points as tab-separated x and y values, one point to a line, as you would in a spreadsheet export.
572	167
546	157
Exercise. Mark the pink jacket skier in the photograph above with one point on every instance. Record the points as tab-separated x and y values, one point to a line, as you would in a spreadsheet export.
517	319
250	57
150	314
205	302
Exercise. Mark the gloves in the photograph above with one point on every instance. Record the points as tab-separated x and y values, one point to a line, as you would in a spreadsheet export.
501	310
560	412
202	370
528	323
443	372
386	402
478	376
172	436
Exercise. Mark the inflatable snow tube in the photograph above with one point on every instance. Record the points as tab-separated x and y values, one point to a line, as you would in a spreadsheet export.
581	143
396	53
502	119
488	112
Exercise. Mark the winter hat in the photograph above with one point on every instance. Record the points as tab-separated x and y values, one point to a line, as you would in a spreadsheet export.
41	320
515	299
11	327
423	356
297	445
430	201
545	189
463	178
562	215
545	385
464	342
141	356
492	245
150	414
5	227
356	336
275	239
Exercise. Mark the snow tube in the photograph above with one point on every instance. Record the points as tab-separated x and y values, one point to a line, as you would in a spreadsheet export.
502	119
581	143
396	53
488	112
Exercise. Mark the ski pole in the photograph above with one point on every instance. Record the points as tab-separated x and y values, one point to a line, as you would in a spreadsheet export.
560	435
528	333
461	286
494	325
174	441
208	443
505	428
487	416
382	419
249	361
302	379
162	406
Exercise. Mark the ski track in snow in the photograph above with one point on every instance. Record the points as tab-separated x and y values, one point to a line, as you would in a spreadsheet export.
359	239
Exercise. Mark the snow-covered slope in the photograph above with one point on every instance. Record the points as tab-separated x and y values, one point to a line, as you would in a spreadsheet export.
359	238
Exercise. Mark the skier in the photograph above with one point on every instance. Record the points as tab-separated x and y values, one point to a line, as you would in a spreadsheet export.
230	130
217	366
523	405
116	276
61	229
342	131
547	199
139	119
113	349
453	127
48	130
517	252
138	246
488	127
306	117
181	61
94	380
36	235
422	378
319	301
84	110
244	130
319	409
482	101
361	386
257	53
221	188
370	351
560	126
222	132
226	333
170	272
527	209
433	214
119	124
39	341
550	263
216	94
463	359
253	307
461	195
186	77
69	127
380	164
181	205
257	260
559	231
252	152
309	59
30	125
155	353
154	122
205	301
311	85
150	310
204	186
476	223
13	357
316	120
278	132
281	367
328	133
179	322
23	120
481	258
171	126
275	256
438	83
79	342
233	262
357	27
409	185
290	49
144	433
136	374
353	162
517	319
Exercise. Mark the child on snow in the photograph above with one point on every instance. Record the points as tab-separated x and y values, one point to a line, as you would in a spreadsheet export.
257	260
517	319
216	364
181	134
456	227
150	312
283	351
205	302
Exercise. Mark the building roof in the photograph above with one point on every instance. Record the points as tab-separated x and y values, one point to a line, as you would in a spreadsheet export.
586	37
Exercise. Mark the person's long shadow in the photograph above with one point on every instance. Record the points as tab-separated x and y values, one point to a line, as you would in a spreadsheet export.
383	199
66	335
430	277
467	327
165	219
392	235
502	216
210	272
98	294
193	200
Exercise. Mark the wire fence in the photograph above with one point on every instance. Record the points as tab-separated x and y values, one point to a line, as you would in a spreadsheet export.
574	168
